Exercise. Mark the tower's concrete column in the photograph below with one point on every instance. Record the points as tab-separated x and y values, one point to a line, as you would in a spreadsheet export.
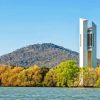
83	42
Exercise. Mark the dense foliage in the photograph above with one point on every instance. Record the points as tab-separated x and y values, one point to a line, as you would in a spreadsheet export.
66	74
62	75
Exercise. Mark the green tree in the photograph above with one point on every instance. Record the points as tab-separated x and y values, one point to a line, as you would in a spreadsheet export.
63	74
98	83
51	78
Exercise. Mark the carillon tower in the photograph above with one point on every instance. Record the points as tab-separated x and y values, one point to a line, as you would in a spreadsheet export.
87	44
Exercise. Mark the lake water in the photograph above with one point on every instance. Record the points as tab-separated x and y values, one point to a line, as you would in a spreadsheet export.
38	93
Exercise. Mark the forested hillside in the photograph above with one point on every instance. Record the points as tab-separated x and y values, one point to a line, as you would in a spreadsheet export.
45	54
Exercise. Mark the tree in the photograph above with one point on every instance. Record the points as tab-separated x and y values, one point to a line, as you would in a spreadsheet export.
51	78
98	72
89	76
98	83
30	77
63	74
44	71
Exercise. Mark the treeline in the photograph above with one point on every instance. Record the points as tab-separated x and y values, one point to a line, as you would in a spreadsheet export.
66	74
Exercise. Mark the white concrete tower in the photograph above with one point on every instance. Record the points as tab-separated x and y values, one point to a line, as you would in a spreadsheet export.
83	42
87	44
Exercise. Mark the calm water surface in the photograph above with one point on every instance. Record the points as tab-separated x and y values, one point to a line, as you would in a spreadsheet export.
38	93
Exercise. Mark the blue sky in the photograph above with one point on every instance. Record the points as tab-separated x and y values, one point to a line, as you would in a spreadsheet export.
26	22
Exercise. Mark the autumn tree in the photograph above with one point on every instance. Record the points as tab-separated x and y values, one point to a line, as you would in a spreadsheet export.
89	76
30	77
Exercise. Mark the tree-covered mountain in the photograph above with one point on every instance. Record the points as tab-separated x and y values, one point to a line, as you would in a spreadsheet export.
46	54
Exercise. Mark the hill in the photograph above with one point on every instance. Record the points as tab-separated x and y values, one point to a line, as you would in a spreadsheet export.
46	54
